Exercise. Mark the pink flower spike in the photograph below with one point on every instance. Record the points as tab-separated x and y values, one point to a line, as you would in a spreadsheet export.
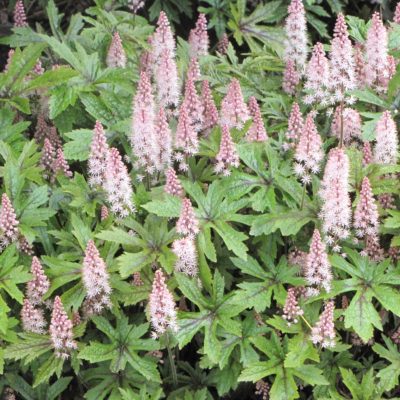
396	17
351	124
210	112
256	132
296	35
19	15
147	58
227	156
291	78
8	223
295	124
42	128
97	156
234	112
39	285
291	310
185	250
336	208
166	79
367	154
187	223
95	280
386	147
317	77
116	56
360	66
142	131
60	164
193	71
163	38
163	141
317	270
324	331
48	157
198	38
376	54
172	185
104	213
162	306
186	137
118	185
223	44
61	334
366	213
309	153
193	105
32	318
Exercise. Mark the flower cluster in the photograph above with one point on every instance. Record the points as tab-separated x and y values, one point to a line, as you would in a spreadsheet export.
351	121
227	156
292	310
234	111
39	285
324	330
8	223
385	151
116	56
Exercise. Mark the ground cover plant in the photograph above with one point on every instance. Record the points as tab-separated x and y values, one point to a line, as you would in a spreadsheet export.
203	212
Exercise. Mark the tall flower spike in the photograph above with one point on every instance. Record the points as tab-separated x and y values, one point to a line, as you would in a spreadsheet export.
185	250
48	157
116	56
324	330
8	223
163	38
32	318
142	132
210	112
198	38
162	306
396	17
376	52
291	78
342	71
317	270
42	128
234	111
172	185
147	58
186	137
187	223
60	164
95	280
193	105
386	147
360	66
54	138
39	285
309	153
97	156
166	80
61	334
223	44
256	132
367	154
296	35
19	15
336	208
366	213
351	124
295	124
193	71
104	213
317	77
163	141
227	156
118	185
291	310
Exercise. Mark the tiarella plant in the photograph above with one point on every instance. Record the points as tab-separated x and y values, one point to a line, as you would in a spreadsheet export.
199	203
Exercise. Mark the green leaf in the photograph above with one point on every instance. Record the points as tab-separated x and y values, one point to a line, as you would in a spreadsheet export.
169	207
232	238
53	365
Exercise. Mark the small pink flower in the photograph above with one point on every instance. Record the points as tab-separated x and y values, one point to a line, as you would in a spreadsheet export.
163	37
38	69
116	56
60	164
48	157
8	223
210	112
360	66
292	310
367	154
104	213
185	250
162	306
32	318
172	185
97	156
193	105
193	71
256	132
187	223
351	124
61	334
291	78
234	112
9	59
95	280
324	331
386	147
198	38
295	124
186	136
42	128
39	285
223	44
19	15
227	156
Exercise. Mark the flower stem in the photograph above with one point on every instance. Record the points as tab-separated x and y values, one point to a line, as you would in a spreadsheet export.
303	197
307	323
171	362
